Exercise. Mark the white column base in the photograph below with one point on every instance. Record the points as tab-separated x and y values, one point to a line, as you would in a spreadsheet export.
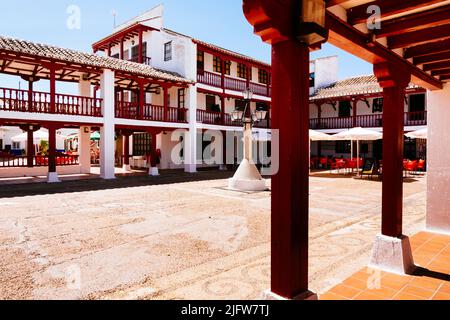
393	255
270	296
190	168
52	177
247	178
108	176
154	172
126	167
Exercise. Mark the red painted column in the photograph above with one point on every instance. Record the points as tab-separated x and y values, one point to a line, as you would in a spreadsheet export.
249	72
393	82
222	108
355	112
222	75
52	89
290	186
166	103
121	50
126	149
52	148
140	111
30	96
141	47
30	148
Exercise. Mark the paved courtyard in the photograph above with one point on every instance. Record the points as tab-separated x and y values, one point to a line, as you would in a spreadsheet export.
174	238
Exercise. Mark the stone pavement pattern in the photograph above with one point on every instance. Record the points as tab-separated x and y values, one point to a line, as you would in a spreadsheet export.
189	240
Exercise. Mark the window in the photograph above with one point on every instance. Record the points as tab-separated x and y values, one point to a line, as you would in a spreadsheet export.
377	105
200	60
417	104
181	98
240	105
211	104
312	80
263	76
217	64
344	109
141	144
242	71
1	144
343	147
16	145
168	51
228	67
116	56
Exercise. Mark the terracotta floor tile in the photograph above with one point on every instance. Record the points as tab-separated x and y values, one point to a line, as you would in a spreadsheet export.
445	288
439	267
419	292
355	283
331	296
386	293
406	296
426	283
369	296
345	291
441	296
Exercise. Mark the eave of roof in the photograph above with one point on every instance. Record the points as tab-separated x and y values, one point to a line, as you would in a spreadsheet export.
62	55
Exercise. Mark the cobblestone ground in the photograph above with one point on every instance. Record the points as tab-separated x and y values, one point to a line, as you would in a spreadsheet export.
173	238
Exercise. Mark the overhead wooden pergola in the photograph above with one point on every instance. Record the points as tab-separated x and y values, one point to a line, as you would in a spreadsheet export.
412	45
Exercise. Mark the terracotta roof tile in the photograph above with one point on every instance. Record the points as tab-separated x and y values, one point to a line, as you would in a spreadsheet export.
86	59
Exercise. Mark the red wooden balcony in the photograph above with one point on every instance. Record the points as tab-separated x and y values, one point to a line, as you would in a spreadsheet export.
37	161
215	80
367	121
39	102
210	117
150	112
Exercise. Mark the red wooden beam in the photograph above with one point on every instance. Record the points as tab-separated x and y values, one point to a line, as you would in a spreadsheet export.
389	8
442	56
426	49
437	66
419	37
445	78
415	22
349	39
441	72
331	3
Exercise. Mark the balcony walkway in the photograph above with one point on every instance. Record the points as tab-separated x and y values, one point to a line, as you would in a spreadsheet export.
430	282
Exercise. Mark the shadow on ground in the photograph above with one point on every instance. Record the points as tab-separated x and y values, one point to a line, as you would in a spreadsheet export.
121	181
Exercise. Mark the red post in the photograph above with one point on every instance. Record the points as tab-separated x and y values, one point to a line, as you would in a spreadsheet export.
141	100
141	48
126	149
290	186
52	89
249	72
30	95
121	50
393	82
222	108
52	149
30	148
222	75
355	112
166	103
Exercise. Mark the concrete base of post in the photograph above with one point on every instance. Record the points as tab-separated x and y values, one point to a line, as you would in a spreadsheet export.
126	168
393	255
247	178
52	177
154	172
223	167
270	296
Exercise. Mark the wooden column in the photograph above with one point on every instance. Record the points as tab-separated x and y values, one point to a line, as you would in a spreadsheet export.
141	47
30	95
52	148
249	71
126	147
222	109
393	82
52	89
290	186
166	103
121	53
140	111
355	112
222	74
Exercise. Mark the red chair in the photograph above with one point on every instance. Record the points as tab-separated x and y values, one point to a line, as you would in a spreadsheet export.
421	166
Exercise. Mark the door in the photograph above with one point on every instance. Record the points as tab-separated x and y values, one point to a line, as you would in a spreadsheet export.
378	149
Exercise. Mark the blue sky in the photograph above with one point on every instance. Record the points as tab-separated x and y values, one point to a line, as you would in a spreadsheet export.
218	22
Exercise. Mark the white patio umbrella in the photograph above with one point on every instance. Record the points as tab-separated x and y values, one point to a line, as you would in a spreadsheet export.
419	134
318	136
37	136
358	134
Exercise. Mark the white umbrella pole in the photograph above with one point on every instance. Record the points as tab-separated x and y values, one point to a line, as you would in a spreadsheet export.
351	156
357	157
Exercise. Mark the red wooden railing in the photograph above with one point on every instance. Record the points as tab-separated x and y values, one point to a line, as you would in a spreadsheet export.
235	84
209	78
38	161
209	117
366	121
146	60
150	112
39	102
215	80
